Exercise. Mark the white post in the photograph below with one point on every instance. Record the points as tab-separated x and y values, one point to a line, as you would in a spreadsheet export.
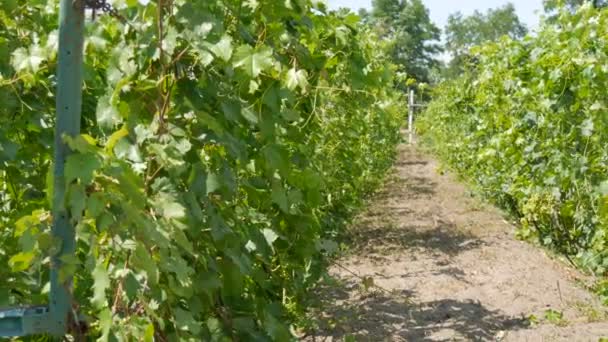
410	118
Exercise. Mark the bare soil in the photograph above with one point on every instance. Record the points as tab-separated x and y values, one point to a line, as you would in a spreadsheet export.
430	262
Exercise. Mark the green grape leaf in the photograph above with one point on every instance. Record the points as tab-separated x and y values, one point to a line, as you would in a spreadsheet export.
213	183
108	116
169	207
279	197
223	48
77	201
82	143
101	282
250	115
275	328
296	78
95	204
21	261
270	236
253	61
149	331
142	259
28	59
81	166
105	324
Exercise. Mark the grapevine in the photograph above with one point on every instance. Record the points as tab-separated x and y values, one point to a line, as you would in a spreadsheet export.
225	144
527	125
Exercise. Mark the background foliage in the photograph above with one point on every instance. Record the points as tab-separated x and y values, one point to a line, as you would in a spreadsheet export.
528	125
225	144
464	32
554	5
414	38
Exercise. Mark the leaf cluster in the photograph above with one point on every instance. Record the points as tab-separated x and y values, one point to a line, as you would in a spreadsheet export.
224	146
528	124
463	32
414	38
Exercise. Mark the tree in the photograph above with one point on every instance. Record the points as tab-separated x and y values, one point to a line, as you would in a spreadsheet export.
365	15
553	5
415	37
463	32
387	8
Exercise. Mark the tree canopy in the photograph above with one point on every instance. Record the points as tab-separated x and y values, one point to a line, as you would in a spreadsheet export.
553	5
463	32
415	37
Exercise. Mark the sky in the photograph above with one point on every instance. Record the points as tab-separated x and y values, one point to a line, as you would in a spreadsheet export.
441	9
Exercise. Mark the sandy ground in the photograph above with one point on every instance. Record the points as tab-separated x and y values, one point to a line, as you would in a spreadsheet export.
430	262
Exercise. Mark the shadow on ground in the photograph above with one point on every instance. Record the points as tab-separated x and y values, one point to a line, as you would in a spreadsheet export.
404	220
411	188
387	239
382	316
421	266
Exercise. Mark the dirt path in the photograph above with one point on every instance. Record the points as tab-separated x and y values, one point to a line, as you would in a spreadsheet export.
446	268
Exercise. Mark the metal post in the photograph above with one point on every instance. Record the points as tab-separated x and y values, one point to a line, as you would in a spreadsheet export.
69	107
53	319
410	118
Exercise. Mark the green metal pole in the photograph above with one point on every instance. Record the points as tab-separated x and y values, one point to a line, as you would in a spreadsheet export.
69	106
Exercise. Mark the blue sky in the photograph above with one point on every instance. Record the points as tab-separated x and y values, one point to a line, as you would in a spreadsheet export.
440	9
